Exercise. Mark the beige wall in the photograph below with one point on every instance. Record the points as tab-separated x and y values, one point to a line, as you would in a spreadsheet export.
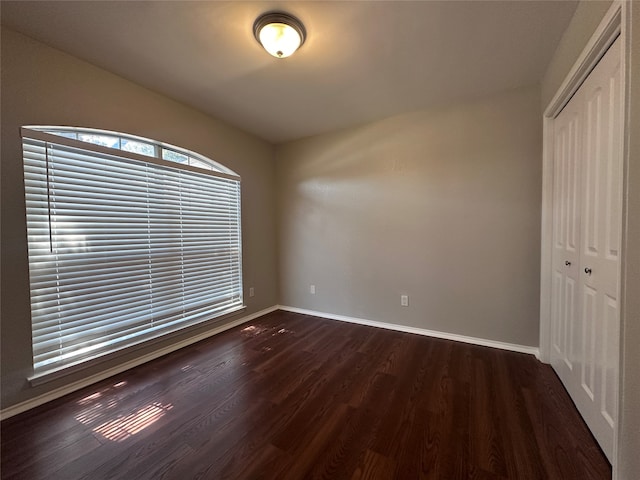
441	205
585	21
41	85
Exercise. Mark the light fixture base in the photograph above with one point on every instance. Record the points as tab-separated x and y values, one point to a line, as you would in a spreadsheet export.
281	22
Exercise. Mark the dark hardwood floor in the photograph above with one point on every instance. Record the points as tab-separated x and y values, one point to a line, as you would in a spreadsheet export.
290	396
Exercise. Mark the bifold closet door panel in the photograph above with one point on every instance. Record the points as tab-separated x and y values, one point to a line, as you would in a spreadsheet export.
600	243
566	235
587	214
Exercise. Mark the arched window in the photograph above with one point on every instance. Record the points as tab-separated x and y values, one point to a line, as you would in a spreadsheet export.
129	239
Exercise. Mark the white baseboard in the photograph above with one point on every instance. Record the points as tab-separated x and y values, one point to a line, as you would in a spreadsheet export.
420	331
72	387
85	382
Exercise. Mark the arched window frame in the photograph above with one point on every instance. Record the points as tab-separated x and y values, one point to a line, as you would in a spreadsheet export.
210	229
159	150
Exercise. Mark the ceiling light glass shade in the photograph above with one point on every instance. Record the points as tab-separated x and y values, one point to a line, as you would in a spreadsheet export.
279	33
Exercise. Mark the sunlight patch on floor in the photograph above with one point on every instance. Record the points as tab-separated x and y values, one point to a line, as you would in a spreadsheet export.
101	408
282	331
253	330
122	428
89	398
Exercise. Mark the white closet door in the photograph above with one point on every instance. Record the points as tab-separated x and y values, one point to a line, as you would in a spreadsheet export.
566	237
586	254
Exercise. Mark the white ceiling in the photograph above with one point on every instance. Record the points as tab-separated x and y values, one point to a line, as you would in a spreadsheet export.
362	61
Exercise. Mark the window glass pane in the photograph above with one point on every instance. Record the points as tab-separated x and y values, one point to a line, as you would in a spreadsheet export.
198	163
104	140
174	156
137	147
72	135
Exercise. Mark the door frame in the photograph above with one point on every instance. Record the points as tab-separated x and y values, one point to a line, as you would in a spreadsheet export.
614	23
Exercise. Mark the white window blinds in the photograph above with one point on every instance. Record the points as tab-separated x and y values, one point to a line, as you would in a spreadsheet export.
123	248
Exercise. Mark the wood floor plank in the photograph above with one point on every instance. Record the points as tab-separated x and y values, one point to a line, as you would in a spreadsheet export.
291	396
374	467
487	447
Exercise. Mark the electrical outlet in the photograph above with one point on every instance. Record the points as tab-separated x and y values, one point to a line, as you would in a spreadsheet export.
404	300
312	289
251	292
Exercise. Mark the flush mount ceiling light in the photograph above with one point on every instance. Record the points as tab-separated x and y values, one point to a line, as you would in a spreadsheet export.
279	33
